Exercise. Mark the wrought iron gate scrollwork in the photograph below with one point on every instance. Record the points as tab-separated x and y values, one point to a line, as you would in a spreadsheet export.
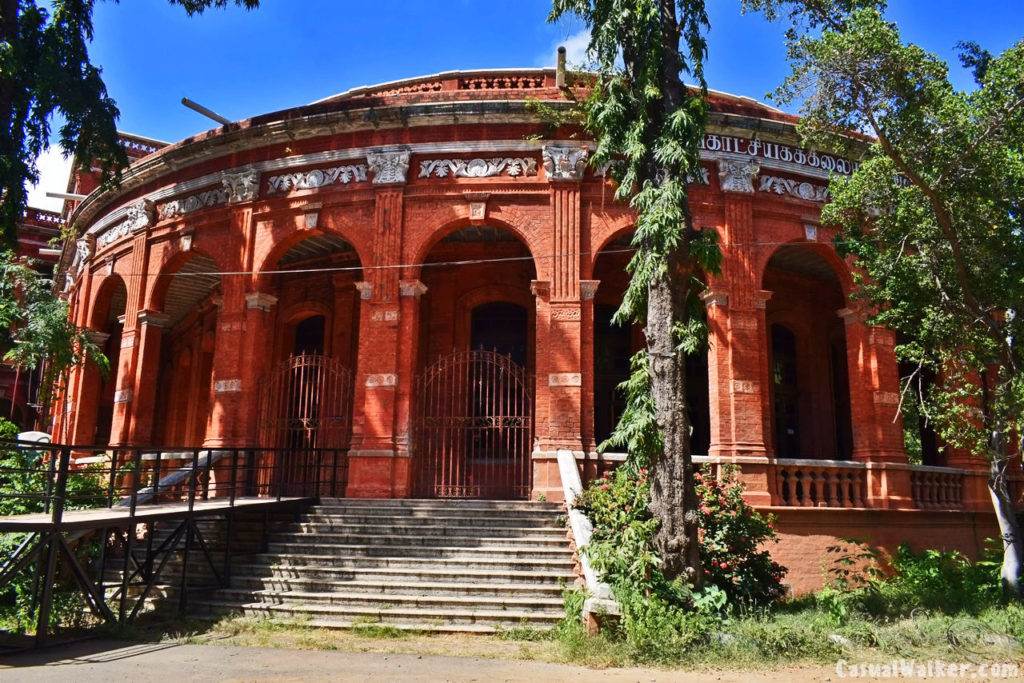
305	403
472	430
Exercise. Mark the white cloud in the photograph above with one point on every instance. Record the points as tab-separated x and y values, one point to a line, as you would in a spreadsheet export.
54	171
575	51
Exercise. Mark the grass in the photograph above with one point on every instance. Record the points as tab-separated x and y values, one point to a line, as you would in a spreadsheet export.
797	634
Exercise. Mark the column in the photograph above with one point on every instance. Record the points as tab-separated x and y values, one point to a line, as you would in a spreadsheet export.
376	468
127	361
259	321
411	293
224	428
874	405
738	379
149	335
559	387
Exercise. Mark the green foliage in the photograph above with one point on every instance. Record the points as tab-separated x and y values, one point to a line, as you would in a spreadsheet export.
23	483
45	70
37	331
732	542
933	216
662	616
945	582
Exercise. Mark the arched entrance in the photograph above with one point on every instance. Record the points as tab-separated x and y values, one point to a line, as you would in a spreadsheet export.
107	324
472	416
615	344
808	373
305	395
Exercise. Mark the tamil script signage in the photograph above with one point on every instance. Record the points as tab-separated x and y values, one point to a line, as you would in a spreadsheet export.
774	151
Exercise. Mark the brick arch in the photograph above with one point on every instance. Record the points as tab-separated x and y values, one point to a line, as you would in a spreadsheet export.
102	299
827	252
173	261
270	259
422	250
606	230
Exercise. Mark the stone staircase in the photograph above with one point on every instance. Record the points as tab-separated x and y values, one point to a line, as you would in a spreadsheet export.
423	565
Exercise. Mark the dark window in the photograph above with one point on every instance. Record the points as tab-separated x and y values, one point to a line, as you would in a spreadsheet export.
500	327
785	393
309	336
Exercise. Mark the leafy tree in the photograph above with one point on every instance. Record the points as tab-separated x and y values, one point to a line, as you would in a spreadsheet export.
648	126
45	70
37	331
934	215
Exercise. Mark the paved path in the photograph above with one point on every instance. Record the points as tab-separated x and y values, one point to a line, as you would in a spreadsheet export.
108	661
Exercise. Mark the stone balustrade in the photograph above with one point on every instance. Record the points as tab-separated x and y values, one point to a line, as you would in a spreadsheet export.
937	488
810	483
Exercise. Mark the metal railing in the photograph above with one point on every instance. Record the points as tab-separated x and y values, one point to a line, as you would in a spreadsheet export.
56	496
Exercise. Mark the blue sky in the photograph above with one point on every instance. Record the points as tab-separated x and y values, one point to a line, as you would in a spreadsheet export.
292	52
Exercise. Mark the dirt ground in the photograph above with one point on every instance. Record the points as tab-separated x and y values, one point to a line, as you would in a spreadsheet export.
99	660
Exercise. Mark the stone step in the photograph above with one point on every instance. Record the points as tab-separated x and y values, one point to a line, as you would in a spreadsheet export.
410	530
452	517
345	625
447	552
382	538
560	564
383	588
474	506
440	572
413	618
389	601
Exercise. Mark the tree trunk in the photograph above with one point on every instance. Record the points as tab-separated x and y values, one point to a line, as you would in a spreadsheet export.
673	498
1009	527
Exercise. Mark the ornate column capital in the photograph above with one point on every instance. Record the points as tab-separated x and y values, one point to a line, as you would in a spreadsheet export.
761	298
365	289
565	162
715	297
413	288
588	289
260	301
241	186
153	319
540	288
736	175
389	167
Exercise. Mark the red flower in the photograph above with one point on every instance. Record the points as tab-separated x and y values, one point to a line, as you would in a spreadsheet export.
723	565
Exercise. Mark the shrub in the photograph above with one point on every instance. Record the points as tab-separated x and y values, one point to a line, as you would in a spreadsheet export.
946	582
662	618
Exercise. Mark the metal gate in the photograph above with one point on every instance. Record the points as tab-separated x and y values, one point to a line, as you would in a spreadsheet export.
472	428
305	404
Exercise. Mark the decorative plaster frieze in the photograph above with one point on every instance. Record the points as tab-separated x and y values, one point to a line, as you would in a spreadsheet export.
413	288
137	217
744	386
389	167
887	398
385	315
565	379
478	168
794	188
191	203
242	185
565	162
382	380
566	314
737	175
227	386
702	177
260	301
317	178
84	248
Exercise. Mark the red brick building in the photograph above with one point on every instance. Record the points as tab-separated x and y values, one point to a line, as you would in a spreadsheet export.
425	272
18	388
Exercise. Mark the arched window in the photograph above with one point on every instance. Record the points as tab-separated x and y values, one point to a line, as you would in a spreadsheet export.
785	393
